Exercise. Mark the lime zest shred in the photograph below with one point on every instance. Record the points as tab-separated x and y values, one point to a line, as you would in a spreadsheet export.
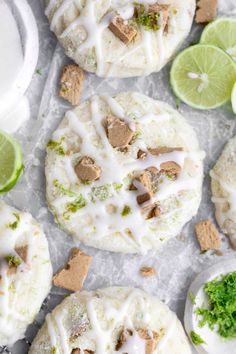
13	261
74	206
56	146
14	224
196	339
63	189
126	210
221	312
149	20
192	297
53	350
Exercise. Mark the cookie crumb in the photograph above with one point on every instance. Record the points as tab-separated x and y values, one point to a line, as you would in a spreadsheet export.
87	170
78	351
124	335
22	252
72	276
71	83
118	132
207	235
206	11
143	184
148	271
141	155
219	253
171	167
125	32
151	211
164	150
151	339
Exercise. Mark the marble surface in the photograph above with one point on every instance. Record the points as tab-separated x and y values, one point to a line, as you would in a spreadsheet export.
180	260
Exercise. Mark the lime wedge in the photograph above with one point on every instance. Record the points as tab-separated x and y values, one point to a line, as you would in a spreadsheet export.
203	76
11	164
221	33
233	98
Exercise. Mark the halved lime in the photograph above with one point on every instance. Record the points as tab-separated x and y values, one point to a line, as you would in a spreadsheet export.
221	33
203	76
233	98
11	164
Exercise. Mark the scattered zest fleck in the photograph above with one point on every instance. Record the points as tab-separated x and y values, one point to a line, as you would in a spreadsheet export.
148	271
53	350
62	189
196	339
126	210
56	146
39	71
149	20
192	298
13	260
73	207
14	224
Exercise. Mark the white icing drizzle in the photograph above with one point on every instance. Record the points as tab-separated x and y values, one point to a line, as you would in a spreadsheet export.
101	222
134	344
94	31
8	241
102	337
168	333
101	331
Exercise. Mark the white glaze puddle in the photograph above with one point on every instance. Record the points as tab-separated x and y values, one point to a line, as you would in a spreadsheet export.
16	68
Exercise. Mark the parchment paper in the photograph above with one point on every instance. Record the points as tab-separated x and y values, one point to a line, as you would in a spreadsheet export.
179	260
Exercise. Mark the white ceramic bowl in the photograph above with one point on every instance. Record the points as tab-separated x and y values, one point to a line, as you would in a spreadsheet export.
214	343
30	45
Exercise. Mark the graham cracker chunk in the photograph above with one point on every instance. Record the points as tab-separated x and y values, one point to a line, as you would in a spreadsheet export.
22	251
148	271
151	339
122	30
78	351
207	235
118	132
71	83
170	167
164	150
207	11
72	276
87	170
143	183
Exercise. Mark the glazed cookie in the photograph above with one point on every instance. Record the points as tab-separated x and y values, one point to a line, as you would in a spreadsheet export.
124	173
223	184
120	38
112	320
25	272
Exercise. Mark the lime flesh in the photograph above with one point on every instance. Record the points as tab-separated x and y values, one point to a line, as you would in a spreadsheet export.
203	76
233	98
11	164
221	33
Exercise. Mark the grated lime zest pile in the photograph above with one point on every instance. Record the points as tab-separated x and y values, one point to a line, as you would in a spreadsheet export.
221	314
